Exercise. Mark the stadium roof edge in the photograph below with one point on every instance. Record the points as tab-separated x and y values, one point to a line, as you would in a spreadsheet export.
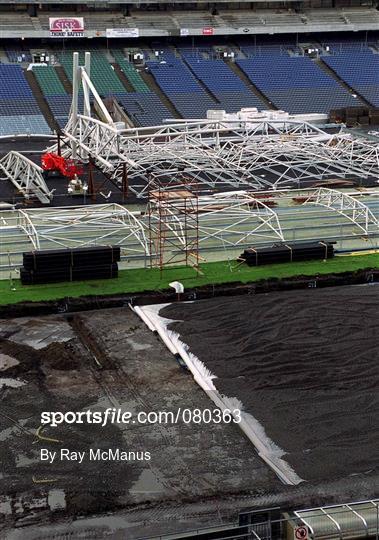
18	33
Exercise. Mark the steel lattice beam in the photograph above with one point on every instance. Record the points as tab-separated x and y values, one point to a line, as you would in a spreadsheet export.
79	226
225	220
350	207
216	154
26	176
221	155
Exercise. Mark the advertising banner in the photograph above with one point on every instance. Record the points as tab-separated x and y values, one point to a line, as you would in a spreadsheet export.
66	26
208	31
122	32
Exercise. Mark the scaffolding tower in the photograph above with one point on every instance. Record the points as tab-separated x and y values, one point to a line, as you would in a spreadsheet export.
173	216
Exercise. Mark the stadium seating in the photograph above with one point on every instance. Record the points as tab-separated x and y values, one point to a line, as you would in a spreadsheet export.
196	80
229	90
178	83
15	21
18	55
103	75
19	111
130	72
165	23
296	84
48	80
31	124
144	109
55	94
359	69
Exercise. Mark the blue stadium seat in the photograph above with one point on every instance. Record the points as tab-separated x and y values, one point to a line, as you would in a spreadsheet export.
295	84
185	92
144	109
359	69
19	111
229	90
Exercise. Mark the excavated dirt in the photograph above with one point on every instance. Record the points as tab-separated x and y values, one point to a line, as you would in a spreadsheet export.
198	475
97	360
304	364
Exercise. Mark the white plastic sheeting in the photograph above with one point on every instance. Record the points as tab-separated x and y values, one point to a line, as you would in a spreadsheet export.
266	448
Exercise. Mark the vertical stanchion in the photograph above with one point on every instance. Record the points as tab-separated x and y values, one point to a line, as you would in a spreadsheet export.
75	94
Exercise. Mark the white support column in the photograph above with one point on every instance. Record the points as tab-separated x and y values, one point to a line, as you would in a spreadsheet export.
87	101
75	97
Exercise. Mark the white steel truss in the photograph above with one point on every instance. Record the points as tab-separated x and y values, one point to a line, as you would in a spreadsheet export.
26	176
223	154
216	154
348	206
225	220
78	226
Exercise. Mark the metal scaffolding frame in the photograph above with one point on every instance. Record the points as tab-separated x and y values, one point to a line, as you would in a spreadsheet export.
26	176
173	224
226	220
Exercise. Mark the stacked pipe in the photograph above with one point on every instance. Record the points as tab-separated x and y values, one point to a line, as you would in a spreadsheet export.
55	265
355	115
287	253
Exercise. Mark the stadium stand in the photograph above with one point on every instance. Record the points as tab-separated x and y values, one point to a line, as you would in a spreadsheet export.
176	80
130	72
48	80
144	109
11	21
103	75
359	69
93	20
55	95
260	20
295	84
196	79
231	93
19	110
19	55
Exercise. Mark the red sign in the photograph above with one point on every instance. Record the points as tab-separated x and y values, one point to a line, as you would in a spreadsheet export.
66	26
208	31
301	533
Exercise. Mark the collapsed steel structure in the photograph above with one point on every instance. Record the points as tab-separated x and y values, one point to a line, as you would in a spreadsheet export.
26	176
208	156
243	154
222	155
348	206
217	155
224	222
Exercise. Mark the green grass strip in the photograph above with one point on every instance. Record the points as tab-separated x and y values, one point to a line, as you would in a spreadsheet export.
216	273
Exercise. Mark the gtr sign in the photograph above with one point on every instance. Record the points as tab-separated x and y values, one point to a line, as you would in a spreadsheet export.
66	26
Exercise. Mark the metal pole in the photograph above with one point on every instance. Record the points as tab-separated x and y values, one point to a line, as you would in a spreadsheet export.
87	67
75	94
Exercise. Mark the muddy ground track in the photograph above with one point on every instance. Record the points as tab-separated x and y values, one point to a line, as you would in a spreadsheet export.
105	374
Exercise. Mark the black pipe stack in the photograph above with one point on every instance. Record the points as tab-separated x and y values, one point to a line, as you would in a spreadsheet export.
77	264
285	253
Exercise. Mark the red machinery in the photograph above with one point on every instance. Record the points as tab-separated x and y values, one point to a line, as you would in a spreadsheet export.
66	167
